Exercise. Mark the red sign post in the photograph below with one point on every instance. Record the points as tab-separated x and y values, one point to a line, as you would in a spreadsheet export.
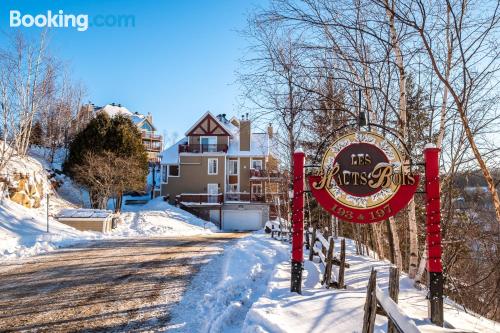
297	221
433	209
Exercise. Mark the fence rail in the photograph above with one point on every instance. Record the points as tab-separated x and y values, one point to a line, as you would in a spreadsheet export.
381	303
325	250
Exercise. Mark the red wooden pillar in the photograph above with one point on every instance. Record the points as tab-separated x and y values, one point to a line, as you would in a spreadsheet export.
297	221
433	209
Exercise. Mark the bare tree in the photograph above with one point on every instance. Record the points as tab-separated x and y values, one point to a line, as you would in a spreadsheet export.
107	175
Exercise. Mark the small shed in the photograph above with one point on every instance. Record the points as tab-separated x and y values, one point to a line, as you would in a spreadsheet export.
87	219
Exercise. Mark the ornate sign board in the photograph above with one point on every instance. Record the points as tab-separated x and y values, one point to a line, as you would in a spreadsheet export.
363	179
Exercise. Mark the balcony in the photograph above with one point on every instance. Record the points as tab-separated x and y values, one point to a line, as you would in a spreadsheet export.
247	197
256	173
151	136
200	199
152	146
202	148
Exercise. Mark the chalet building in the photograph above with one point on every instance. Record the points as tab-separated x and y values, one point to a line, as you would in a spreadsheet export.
223	172
152	142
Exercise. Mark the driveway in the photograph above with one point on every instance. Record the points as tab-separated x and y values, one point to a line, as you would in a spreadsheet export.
111	285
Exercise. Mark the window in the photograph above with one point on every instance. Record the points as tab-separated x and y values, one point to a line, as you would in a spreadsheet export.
233	188
164	173
147	127
208	144
257	164
213	191
233	167
173	171
256	188
212	166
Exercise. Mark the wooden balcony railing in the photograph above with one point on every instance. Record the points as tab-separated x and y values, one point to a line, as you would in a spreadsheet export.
151	136
249	197
152	147
256	173
201	148
200	198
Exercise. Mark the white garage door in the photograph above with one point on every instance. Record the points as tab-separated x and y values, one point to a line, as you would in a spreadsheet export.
242	220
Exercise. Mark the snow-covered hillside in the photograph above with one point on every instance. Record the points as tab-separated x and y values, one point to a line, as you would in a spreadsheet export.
23	230
248	290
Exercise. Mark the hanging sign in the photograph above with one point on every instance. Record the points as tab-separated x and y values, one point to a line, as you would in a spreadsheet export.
363	179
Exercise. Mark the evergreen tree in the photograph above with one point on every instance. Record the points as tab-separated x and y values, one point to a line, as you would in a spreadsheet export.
36	135
103	135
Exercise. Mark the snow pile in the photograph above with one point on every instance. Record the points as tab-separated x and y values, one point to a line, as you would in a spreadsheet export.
23	232
166	219
229	285
247	289
330	310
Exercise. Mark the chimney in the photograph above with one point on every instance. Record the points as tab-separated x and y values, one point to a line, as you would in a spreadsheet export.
245	132
119	105
113	104
149	117
270	130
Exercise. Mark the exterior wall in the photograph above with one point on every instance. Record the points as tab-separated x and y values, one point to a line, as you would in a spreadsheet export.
85	225
245	129
223	140
194	176
194	140
245	174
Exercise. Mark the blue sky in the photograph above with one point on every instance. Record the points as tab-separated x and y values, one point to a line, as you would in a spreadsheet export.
177	62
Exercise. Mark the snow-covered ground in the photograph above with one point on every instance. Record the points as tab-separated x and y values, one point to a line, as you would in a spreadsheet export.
23	230
248	290
221	295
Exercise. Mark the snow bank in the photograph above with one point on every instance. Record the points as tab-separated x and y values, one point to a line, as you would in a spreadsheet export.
23	232
173	215
229	285
330	310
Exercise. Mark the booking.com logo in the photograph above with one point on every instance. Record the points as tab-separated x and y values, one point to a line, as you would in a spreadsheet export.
61	20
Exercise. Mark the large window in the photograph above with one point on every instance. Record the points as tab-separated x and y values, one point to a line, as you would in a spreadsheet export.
257	188
257	164
208	143
233	167
173	171
212	166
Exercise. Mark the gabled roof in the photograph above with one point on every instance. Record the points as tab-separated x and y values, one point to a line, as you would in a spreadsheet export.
114	110
213	125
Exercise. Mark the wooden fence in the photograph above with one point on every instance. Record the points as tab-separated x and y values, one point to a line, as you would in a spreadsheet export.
325	250
381	303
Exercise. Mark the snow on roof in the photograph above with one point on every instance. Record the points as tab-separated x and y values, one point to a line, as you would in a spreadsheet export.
171	154
259	145
114	110
84	213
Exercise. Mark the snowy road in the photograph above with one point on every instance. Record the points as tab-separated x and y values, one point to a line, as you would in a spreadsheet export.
107	285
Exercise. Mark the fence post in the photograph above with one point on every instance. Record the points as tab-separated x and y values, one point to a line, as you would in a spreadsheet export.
329	263
393	294
298	221
342	264
311	246
47	212
433	210
370	304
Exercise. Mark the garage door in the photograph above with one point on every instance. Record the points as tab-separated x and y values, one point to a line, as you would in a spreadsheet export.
243	220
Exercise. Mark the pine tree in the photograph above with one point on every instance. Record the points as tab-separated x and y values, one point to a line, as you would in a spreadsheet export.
104	135
36	135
